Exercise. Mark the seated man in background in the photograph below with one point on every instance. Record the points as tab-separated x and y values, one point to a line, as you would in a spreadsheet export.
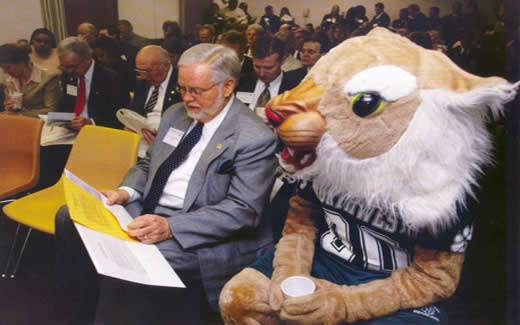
131	42
238	43
90	90
199	197
269	81
87	32
314	47
110	31
175	48
253	32
207	34
155	89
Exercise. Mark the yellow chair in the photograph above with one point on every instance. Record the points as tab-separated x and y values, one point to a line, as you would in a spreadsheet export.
100	156
19	153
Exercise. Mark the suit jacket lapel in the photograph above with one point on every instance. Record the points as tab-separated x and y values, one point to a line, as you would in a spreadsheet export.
220	142
171	96
93	90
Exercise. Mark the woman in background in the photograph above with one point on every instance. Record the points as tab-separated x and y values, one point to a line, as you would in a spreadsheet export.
285	16
106	52
44	52
29	89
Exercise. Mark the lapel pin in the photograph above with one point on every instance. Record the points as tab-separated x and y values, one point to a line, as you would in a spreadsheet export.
172	92
219	146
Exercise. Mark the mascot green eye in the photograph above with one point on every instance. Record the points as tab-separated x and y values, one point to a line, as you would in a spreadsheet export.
367	104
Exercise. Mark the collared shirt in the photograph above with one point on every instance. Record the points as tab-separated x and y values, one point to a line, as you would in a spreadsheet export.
274	87
88	83
36	76
175	190
154	117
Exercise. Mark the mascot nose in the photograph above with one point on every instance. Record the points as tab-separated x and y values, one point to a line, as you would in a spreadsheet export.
295	116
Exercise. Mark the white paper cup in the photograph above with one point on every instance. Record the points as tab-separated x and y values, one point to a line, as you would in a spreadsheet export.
17	99
297	286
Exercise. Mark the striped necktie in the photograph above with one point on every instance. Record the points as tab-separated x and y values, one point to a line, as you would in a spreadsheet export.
152	101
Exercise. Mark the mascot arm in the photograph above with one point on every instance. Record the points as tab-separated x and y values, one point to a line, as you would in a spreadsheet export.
295	250
433	276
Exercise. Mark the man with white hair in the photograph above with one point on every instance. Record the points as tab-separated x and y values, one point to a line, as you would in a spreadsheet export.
91	91
87	32
199	195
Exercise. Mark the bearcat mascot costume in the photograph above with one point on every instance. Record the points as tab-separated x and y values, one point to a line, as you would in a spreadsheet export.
385	140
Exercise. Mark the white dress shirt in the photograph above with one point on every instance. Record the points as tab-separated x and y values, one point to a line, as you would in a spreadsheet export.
175	189
88	83
154	117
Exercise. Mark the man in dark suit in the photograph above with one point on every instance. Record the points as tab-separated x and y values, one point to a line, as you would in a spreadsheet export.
417	21
205	212
314	47
238	43
381	18
269	21
90	90
269	80
155	89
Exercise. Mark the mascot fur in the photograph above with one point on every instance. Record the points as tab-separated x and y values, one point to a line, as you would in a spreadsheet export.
386	140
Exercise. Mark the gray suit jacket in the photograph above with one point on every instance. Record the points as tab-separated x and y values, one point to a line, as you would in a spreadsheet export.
222	216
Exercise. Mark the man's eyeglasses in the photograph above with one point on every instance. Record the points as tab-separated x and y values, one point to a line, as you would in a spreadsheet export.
194	91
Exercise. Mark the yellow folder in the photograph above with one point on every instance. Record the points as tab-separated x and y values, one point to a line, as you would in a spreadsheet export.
90	212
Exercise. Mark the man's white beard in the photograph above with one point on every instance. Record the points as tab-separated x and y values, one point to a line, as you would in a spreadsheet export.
212	111
423	177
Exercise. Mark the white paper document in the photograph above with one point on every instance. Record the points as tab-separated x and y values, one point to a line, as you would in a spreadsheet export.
122	216
59	118
118	258
131	261
55	134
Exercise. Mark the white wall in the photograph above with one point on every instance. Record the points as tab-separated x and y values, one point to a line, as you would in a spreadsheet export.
147	16
18	19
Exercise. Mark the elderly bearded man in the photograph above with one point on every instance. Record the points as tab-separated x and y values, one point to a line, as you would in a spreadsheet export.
205	215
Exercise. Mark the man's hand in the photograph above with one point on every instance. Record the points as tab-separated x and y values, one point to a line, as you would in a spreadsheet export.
150	229
78	122
116	197
148	135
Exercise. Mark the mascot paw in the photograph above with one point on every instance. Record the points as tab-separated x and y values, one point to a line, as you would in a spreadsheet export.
325	306
244	300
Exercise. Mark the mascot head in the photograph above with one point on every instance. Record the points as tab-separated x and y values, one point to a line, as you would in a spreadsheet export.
382	120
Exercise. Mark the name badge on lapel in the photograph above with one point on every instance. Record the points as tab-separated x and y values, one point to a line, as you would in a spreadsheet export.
72	90
173	137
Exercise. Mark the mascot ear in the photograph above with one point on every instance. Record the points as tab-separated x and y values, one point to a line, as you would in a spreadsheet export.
472	94
438	71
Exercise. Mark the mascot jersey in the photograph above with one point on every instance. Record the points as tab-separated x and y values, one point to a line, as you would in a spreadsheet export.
378	240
